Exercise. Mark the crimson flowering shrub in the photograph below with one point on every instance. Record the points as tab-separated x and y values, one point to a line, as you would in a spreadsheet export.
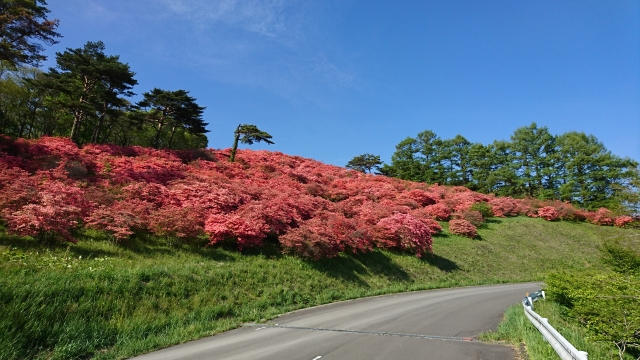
472	216
54	211
121	218
404	232
462	227
504	206
548	213
421	197
622	221
326	235
422	215
438	211
176	222
49	187
529	207
602	216
566	211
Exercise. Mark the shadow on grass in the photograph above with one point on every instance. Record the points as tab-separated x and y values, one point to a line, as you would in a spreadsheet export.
99	244
441	263
349	267
489	223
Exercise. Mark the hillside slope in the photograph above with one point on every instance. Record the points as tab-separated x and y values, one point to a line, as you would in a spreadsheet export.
109	301
51	187
110	251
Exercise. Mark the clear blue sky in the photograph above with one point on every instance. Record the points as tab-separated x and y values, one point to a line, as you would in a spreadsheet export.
334	79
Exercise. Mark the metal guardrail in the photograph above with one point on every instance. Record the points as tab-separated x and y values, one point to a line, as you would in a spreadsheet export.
565	350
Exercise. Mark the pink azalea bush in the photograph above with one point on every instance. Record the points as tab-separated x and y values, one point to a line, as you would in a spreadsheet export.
462	227
474	217
622	221
50	187
548	213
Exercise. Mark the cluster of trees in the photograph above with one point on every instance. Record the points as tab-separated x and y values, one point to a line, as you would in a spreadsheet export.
86	96
571	167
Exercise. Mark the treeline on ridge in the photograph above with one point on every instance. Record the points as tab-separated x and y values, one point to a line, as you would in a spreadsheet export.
87	97
571	167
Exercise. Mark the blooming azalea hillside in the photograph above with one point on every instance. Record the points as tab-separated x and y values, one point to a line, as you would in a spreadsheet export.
50	186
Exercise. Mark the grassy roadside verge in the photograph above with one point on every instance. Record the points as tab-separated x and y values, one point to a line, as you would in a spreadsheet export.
99	300
516	330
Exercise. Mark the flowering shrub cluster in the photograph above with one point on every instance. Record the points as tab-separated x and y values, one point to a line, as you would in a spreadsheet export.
462	227
472	216
50	187
548	213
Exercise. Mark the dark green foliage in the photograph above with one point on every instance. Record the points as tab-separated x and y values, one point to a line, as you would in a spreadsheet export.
483	208
592	176
533	153
622	256
365	163
572	167
606	302
175	110
85	98
89	85
23	28
248	134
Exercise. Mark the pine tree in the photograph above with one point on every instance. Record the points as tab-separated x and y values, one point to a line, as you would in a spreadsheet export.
23	28
365	163
175	110
248	134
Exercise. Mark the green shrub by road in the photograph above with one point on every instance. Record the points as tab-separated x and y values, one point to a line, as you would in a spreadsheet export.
106	301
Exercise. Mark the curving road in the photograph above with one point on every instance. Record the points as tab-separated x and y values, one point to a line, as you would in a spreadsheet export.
435	324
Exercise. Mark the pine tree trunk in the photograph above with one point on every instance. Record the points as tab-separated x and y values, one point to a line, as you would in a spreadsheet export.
173	131
157	140
77	116
235	145
98	128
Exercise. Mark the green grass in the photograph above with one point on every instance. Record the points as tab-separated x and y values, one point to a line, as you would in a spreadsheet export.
106	301
517	330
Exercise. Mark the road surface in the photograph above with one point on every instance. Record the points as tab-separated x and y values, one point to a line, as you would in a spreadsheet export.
435	324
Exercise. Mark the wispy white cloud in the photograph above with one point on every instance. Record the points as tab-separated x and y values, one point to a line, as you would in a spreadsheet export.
263	17
278	45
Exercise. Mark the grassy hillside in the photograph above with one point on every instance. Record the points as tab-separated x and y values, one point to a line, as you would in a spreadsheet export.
110	301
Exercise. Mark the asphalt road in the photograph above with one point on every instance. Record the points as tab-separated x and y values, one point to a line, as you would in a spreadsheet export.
436	324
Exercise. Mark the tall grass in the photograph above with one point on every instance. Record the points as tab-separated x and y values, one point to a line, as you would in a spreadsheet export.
517	330
102	300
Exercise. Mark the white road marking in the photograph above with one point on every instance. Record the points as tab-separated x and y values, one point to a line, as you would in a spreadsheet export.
317	357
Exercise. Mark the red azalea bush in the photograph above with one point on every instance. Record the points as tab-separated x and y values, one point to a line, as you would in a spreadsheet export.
548	213
474	217
462	227
404	232
602	216
439	211
622	221
56	209
504	206
50	186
